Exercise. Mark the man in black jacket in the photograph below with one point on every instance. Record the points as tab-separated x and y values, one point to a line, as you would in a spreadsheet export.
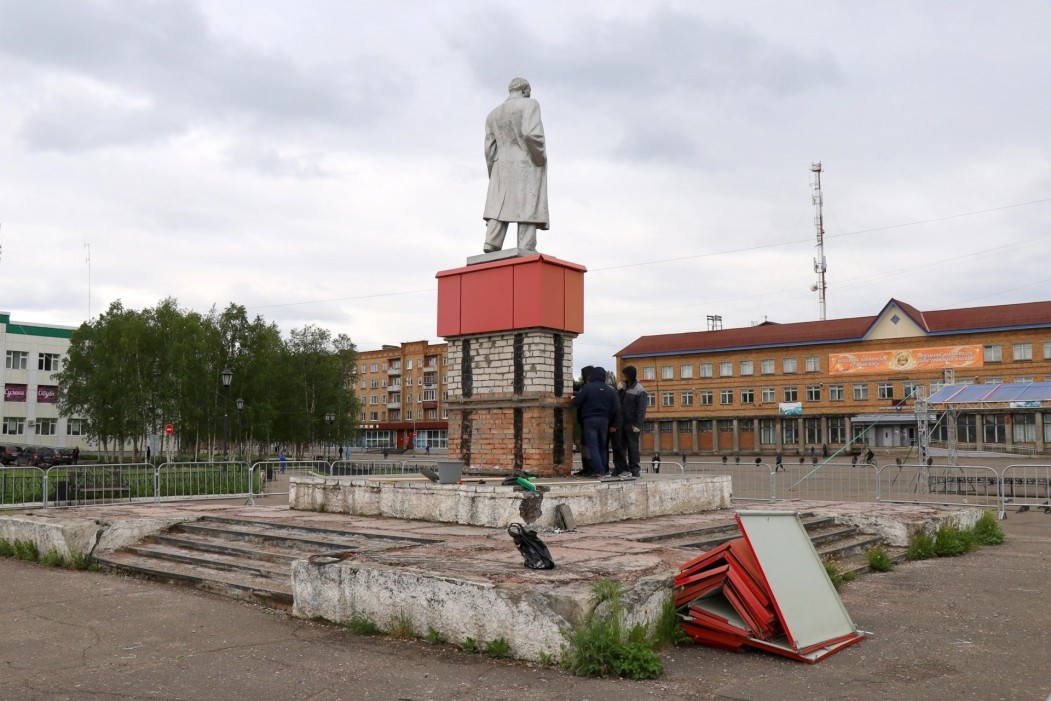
633	402
598	405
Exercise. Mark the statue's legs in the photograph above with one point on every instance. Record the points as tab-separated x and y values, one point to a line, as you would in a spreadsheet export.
495	230
527	236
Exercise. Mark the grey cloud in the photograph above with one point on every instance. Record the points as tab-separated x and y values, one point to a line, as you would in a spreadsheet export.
163	54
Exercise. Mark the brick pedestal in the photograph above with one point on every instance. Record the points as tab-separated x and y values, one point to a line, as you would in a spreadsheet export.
510	326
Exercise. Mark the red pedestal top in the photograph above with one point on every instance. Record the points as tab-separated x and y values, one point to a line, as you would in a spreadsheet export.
514	293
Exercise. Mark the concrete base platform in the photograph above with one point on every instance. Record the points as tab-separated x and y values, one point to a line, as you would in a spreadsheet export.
465	581
495	506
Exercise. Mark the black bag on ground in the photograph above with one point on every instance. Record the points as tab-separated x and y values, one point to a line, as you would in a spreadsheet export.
534	551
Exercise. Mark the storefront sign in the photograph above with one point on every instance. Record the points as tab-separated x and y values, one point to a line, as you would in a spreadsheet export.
14	393
791	408
46	394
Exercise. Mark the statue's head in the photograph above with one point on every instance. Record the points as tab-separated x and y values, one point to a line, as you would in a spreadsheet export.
519	85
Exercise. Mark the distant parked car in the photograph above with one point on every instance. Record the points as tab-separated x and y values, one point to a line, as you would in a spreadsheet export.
8	455
48	457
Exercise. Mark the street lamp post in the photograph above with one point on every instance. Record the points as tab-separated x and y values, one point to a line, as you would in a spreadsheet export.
240	403
227	376
329	418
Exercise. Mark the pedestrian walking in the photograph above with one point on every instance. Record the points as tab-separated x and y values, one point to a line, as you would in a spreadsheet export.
779	462
282	461
655	463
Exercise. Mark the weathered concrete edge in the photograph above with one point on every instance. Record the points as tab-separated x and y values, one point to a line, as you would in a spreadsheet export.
899	532
83	535
533	619
494	506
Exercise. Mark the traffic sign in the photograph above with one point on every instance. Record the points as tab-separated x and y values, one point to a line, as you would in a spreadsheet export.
168	429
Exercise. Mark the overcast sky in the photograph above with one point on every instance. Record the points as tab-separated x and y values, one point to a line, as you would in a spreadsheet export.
320	161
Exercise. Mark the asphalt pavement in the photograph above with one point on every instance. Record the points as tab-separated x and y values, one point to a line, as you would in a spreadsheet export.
974	627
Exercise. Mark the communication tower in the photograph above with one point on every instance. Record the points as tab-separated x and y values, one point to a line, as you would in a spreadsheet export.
820	266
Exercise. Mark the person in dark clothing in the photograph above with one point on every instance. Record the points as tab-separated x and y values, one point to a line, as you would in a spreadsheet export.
598	406
585	457
633	401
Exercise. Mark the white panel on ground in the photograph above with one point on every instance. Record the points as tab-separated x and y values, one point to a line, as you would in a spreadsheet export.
808	605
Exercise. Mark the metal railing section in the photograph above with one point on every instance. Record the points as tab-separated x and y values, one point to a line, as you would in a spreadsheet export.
826	481
21	487
94	485
970	485
1026	486
749	481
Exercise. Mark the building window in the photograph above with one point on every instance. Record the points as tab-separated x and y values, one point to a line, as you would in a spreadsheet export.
994	428
46	427
1047	350
993	354
373	399
788	365
429	395
394	415
885	390
767	431
813	393
837	429
812	431
408	364
686	372
705	369
746	425
14	427
651	400
725	425
685	426
747	367
726	396
705	425
861	392
374	367
408	381
1022	351
374	384
648	374
726	369
1025	380
813	363
408	415
667	399
17	360
994	380
790	431
667	372
686	398
77	427
769	394
835	393
910	390
48	362
1047	428
1023	428
791	394
666	426
766	367
706	397
748	396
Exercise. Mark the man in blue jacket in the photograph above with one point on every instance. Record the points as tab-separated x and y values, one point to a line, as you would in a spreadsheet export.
599	405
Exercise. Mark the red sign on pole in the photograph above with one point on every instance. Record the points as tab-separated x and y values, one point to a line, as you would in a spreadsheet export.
168	429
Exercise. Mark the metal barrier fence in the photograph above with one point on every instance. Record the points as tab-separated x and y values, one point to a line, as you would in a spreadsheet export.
970	485
826	481
21	487
749	481
94	485
1027	485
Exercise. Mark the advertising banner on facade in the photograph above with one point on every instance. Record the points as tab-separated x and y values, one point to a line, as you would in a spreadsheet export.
46	394
14	393
790	408
905	359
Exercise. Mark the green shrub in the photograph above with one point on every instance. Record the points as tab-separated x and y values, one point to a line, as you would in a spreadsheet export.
834	573
469	645
987	530
878	559
599	646
434	637
53	558
79	560
401	626
26	550
951	541
921	547
668	630
7	549
361	625
546	658
498	648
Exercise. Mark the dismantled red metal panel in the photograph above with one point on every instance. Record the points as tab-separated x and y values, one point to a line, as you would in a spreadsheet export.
767	590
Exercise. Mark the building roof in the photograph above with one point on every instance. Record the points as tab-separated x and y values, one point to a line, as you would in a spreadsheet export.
766	335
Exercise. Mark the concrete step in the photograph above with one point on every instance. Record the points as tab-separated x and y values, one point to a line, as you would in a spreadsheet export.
202	543
712	536
242	585
213	560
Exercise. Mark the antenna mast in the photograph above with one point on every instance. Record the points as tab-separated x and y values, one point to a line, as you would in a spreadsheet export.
820	266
